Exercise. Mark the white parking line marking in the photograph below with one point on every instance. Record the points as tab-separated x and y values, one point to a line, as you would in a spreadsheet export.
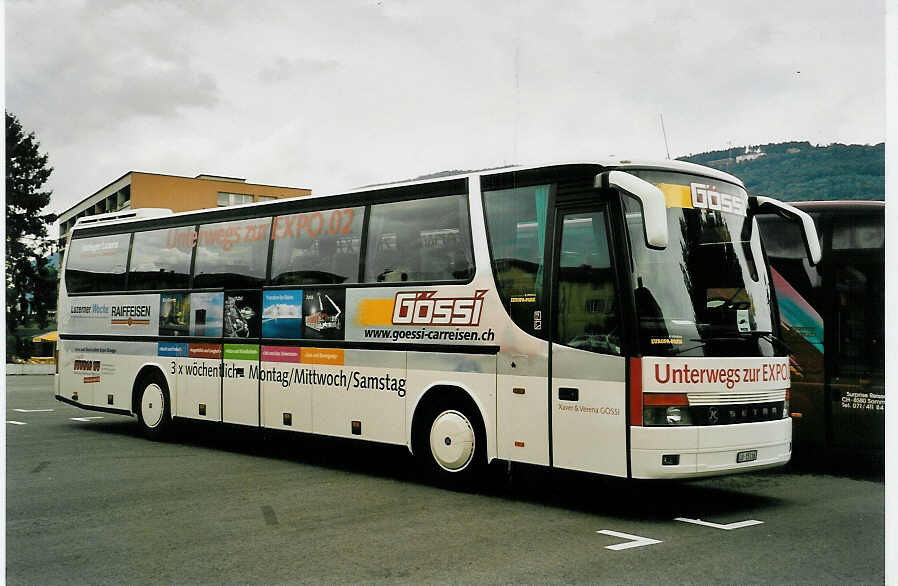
16	422
736	525
85	418
636	540
33	410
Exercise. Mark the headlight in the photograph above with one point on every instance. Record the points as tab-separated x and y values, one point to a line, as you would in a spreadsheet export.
673	415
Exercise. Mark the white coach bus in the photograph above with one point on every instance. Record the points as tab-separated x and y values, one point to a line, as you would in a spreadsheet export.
615	318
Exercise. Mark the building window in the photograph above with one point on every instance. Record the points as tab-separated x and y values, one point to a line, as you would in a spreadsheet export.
233	199
265	198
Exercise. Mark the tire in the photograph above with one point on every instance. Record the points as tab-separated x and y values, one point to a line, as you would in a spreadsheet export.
153	406
451	445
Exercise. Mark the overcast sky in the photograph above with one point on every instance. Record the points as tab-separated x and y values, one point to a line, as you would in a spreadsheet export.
331	95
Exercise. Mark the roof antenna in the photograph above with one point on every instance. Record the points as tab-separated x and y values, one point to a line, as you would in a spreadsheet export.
664	132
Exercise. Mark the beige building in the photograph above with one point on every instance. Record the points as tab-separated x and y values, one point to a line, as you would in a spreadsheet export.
135	189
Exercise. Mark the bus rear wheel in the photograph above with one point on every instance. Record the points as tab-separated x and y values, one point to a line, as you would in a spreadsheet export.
153	408
451	445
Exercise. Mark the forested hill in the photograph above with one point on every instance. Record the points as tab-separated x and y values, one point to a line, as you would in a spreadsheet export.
796	171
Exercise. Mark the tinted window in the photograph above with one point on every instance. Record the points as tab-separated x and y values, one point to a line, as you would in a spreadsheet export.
232	254
420	240
587	303
161	259
516	219
782	238
317	247
860	318
97	264
788	258
858	232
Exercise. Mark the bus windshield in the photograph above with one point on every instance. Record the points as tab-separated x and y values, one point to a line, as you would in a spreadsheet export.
707	293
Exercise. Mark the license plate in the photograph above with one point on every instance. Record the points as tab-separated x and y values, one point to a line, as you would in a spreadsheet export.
746	456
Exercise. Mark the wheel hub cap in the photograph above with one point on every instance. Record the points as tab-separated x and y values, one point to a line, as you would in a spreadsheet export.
452	441
152	405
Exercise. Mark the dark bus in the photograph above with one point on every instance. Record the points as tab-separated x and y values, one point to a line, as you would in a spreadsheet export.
832	318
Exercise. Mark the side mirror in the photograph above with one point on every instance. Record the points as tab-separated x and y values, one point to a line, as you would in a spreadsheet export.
762	204
654	205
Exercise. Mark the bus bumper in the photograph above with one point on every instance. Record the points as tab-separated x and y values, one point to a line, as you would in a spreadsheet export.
709	450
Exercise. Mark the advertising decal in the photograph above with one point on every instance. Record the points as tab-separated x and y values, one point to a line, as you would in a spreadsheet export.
242	315
714	374
126	316
91	361
323	316
206	311
282	314
174	314
426	316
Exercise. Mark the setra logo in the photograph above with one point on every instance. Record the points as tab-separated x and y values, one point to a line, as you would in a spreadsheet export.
424	308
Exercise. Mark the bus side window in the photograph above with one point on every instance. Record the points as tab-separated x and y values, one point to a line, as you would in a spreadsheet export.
317	248
516	222
420	240
160	259
587	302
232	254
852	232
97	264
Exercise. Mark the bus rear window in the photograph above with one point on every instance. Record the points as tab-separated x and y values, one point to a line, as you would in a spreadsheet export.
97	264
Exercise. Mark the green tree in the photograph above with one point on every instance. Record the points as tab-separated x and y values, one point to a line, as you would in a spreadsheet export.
28	276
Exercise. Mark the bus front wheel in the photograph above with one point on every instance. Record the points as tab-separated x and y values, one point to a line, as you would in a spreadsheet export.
153	409
451	445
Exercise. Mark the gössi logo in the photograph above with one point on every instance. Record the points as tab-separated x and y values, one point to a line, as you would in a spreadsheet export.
424	308
707	197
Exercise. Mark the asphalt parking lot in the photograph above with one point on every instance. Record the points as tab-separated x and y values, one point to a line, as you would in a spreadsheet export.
90	501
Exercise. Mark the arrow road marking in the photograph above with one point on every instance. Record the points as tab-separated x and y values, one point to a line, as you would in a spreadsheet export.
84	418
16	422
636	540
736	525
33	410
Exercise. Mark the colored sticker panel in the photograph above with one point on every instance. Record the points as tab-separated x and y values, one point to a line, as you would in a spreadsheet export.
172	349
242	315
323	314
330	356
281	354
212	351
241	351
206	314
375	312
282	314
174	314
676	196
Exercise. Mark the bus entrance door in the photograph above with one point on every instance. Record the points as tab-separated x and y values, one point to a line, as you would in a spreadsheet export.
588	374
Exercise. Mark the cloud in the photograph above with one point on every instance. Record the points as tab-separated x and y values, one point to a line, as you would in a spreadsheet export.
334	95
